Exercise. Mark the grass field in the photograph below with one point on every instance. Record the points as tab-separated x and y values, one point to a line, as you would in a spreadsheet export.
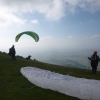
13	86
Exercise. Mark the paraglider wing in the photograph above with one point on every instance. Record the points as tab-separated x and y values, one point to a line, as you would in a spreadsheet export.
32	34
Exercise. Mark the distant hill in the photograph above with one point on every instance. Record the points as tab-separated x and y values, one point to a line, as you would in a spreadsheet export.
76	59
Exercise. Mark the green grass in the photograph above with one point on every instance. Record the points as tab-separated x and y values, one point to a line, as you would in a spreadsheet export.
13	86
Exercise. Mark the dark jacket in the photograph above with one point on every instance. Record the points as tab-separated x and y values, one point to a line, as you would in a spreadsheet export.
94	60
13	51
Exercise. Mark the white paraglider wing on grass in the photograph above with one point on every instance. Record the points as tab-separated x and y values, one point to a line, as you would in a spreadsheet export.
81	88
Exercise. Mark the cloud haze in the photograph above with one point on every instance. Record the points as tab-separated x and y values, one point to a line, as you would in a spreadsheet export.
51	9
44	17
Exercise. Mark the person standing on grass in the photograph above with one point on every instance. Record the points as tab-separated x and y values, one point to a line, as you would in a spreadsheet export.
94	62
13	52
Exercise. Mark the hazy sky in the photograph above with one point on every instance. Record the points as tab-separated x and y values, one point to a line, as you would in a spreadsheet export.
60	24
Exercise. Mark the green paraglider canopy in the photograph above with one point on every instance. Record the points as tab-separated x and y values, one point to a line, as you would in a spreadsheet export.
32	34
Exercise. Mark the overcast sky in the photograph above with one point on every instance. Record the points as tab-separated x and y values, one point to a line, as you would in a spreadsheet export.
60	24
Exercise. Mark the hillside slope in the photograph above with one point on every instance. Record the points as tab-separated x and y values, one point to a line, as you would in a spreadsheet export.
14	86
